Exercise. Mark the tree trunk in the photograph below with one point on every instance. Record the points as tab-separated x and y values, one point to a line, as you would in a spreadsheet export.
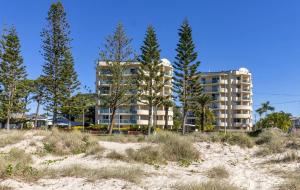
166	117
112	119
202	119
8	121
183	122
54	119
150	119
83	119
37	113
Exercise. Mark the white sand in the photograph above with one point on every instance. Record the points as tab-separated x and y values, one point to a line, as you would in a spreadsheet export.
246	170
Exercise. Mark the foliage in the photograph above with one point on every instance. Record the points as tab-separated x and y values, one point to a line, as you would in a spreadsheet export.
280	120
59	77
265	107
186	79
150	75
117	54
12	75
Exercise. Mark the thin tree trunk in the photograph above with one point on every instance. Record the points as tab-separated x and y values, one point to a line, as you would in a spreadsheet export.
150	119
166	117
37	113
112	121
184	121
83	118
202	119
8	121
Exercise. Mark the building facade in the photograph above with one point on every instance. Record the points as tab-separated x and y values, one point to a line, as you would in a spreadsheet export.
134	113
231	94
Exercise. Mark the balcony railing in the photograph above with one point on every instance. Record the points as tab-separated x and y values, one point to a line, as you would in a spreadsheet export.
122	121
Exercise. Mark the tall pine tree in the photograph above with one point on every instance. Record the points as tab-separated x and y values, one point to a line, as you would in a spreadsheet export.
150	75
118	55
12	75
186	78
59	76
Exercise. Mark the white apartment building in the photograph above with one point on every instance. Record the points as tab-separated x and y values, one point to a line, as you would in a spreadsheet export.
135	113
231	92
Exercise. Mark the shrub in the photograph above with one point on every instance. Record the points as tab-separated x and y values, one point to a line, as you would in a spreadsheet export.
63	143
217	172
210	185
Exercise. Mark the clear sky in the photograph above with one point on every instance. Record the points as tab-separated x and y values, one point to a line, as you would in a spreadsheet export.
261	35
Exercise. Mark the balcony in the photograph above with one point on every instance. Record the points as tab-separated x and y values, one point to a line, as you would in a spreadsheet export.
242	107
242	115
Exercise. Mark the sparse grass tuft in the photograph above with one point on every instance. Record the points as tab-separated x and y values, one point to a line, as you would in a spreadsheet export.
218	172
64	143
210	185
4	187
115	156
10	137
131	174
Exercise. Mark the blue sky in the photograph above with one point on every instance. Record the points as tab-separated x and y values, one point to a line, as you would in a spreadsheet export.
261	35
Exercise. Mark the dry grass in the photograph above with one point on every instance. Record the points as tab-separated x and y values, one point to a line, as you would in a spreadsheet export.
175	147
292	181
4	187
115	156
147	154
16	164
217	172
288	157
10	137
64	143
131	174
122	138
272	140
210	185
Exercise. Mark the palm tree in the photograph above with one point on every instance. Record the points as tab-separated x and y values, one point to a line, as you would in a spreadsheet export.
265	107
203	102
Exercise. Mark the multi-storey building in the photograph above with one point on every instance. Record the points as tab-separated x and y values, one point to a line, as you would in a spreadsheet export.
231	93
134	113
